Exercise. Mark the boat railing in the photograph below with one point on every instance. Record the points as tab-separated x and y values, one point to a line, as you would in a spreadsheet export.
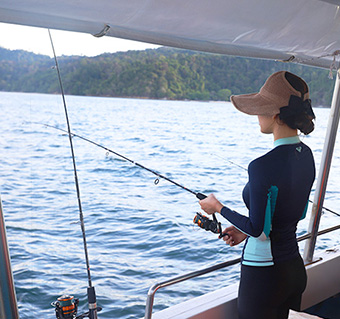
176	280
154	288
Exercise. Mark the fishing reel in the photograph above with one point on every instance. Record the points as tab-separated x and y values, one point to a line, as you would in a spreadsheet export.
66	307
207	224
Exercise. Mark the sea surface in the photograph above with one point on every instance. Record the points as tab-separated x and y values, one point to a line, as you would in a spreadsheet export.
138	232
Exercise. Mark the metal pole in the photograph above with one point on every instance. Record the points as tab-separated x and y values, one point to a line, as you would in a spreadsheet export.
325	165
8	300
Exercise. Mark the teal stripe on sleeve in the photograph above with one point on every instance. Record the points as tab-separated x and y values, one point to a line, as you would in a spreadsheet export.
304	212
270	208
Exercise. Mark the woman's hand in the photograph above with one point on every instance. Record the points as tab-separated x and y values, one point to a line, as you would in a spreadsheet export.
211	205
234	237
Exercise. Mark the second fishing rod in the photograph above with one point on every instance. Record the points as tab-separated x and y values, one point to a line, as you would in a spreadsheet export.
199	219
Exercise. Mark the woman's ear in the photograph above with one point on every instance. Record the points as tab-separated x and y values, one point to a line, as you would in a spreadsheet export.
277	119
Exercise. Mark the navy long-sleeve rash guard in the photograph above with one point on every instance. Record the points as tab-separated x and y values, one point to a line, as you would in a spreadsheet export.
276	196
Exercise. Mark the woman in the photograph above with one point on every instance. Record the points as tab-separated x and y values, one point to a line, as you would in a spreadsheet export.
273	275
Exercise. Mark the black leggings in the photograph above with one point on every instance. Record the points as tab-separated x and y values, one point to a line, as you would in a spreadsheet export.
269	292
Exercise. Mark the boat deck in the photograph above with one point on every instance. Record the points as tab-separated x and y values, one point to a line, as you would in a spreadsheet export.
329	308
301	315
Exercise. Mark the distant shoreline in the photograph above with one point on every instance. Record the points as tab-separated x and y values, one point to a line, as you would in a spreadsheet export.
140	98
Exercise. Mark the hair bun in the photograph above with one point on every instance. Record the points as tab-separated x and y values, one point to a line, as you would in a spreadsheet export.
298	114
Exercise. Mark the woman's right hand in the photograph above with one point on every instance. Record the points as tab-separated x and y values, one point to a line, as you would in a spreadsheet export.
234	237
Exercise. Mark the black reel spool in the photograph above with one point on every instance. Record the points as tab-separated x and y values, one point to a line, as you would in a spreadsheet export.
66	307
208	224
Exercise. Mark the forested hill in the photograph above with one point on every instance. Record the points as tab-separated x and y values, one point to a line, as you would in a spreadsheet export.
158	74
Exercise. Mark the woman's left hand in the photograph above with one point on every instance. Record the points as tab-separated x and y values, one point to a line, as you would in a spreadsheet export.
211	204
234	236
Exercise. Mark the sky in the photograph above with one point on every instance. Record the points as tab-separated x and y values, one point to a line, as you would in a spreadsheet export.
37	40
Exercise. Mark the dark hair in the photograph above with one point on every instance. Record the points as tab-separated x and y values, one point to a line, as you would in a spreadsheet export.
298	114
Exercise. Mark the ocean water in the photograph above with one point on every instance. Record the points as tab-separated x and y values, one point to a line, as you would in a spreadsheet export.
138	233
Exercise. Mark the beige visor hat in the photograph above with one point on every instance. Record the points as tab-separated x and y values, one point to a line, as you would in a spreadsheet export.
274	94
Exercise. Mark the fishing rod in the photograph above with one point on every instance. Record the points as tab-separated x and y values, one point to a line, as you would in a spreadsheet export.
201	220
66	306
325	208
198	195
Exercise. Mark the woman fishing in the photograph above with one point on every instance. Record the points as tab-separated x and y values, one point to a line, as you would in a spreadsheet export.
273	275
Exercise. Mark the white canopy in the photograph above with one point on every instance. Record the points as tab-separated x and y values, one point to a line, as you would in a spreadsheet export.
305	31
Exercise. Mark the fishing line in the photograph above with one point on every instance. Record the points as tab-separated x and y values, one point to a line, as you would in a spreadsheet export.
224	159
90	289
325	208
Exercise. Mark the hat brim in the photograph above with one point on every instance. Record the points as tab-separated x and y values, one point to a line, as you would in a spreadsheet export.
255	104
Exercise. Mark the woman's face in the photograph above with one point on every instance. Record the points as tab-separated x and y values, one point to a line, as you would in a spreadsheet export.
266	123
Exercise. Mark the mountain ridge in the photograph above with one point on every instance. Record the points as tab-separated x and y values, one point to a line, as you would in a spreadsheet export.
162	73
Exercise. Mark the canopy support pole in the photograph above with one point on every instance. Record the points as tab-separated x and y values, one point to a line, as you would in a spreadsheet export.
325	165
8	300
